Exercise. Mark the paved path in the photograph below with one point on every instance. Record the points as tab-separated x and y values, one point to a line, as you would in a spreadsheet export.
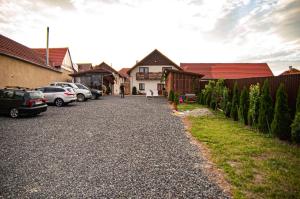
110	148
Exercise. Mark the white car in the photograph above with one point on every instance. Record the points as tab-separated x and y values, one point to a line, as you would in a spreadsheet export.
58	95
82	94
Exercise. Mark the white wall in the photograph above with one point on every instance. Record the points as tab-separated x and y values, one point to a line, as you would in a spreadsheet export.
149	84
118	81
67	63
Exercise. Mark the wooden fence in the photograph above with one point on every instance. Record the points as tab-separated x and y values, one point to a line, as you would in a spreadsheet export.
291	84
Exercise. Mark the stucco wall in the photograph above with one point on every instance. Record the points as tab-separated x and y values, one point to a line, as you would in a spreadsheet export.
149	84
14	72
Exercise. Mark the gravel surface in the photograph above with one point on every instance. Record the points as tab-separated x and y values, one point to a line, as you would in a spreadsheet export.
109	148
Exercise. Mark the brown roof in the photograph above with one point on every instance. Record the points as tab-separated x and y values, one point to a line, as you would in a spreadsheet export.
167	71
84	66
105	66
228	70
56	55
291	71
16	50
123	72
95	70
155	58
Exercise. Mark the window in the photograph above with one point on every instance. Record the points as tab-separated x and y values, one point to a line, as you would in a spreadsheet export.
144	70
141	86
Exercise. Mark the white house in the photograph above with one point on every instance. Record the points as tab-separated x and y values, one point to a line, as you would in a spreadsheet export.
146	74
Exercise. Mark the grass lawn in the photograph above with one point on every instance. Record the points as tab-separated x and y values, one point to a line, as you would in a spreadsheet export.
256	165
191	106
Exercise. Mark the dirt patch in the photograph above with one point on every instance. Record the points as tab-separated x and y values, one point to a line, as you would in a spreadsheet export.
199	112
215	174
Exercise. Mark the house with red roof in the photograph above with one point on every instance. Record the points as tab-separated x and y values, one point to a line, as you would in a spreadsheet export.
26	67
228	70
291	71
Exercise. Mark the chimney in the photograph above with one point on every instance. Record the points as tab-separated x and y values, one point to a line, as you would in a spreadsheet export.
290	67
47	48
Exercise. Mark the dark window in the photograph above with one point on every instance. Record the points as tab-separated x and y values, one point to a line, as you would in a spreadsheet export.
8	94
144	70
19	94
141	86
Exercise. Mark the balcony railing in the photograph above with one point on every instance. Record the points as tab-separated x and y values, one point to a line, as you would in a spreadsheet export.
148	76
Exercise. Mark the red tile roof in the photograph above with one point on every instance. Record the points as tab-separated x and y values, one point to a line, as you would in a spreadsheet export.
228	70
123	72
16	50
291	71
56	55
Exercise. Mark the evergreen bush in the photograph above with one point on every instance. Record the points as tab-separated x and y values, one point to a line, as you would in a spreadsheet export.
171	96
280	126
296	129
176	98
254	94
244	106
134	91
234	103
298	101
228	109
224	99
265	115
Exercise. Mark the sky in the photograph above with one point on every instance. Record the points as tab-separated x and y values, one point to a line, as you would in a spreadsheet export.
121	32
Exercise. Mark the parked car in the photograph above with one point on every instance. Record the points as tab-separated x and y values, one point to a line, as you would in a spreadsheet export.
82	94
18	101
95	93
58	95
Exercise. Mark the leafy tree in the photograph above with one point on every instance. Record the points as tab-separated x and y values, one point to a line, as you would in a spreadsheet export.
244	105
280	126
134	91
253	111
171	96
265	115
234	103
296	128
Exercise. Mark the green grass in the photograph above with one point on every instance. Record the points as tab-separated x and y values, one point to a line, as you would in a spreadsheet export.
256	165
191	106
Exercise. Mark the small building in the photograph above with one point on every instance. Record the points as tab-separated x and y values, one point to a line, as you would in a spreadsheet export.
291	71
84	66
124	74
25	67
228	70
146	74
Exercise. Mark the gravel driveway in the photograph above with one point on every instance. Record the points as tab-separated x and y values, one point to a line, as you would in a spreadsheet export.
109	148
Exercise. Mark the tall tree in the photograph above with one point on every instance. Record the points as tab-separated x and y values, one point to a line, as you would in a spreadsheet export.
265	115
244	106
234	103
280	126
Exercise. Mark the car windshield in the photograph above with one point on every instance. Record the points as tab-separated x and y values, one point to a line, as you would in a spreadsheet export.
35	94
82	86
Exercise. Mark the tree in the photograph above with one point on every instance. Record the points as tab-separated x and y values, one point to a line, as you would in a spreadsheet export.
280	126
298	101
254	95
134	92
225	98
207	91
296	128
234	103
244	105
265	115
176	98
171	96
199	98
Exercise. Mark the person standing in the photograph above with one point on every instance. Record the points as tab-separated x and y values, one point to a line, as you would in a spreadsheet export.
122	90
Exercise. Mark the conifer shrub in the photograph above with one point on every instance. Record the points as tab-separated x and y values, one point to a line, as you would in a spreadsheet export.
243	107
265	115
298	101
296	128
224	99
228	109
254	94
280	126
234	103
176	98
171	96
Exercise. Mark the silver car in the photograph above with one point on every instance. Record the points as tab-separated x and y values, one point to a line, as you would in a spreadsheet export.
58	95
82	94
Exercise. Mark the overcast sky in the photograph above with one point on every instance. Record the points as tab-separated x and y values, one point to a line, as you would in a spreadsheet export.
120	32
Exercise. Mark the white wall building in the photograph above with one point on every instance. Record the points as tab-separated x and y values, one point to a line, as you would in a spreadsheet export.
146	74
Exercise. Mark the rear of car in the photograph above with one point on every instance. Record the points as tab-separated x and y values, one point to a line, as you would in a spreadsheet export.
82	94
16	102
59	95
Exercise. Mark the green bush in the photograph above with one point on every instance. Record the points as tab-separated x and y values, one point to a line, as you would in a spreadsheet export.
171	96
224	99
234	103
207	92
265	115
253	105
199	98
134	91
296	128
176	98
298	101
243	107
280	126
228	109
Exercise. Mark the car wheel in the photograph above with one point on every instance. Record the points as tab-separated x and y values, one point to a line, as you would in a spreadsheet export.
59	102
80	98
13	113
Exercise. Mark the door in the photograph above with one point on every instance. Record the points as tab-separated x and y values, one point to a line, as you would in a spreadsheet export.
160	88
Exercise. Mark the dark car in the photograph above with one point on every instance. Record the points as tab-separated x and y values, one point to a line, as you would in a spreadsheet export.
95	93
17	101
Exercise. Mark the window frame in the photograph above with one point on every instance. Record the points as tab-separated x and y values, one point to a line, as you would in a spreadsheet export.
142	70
141	86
